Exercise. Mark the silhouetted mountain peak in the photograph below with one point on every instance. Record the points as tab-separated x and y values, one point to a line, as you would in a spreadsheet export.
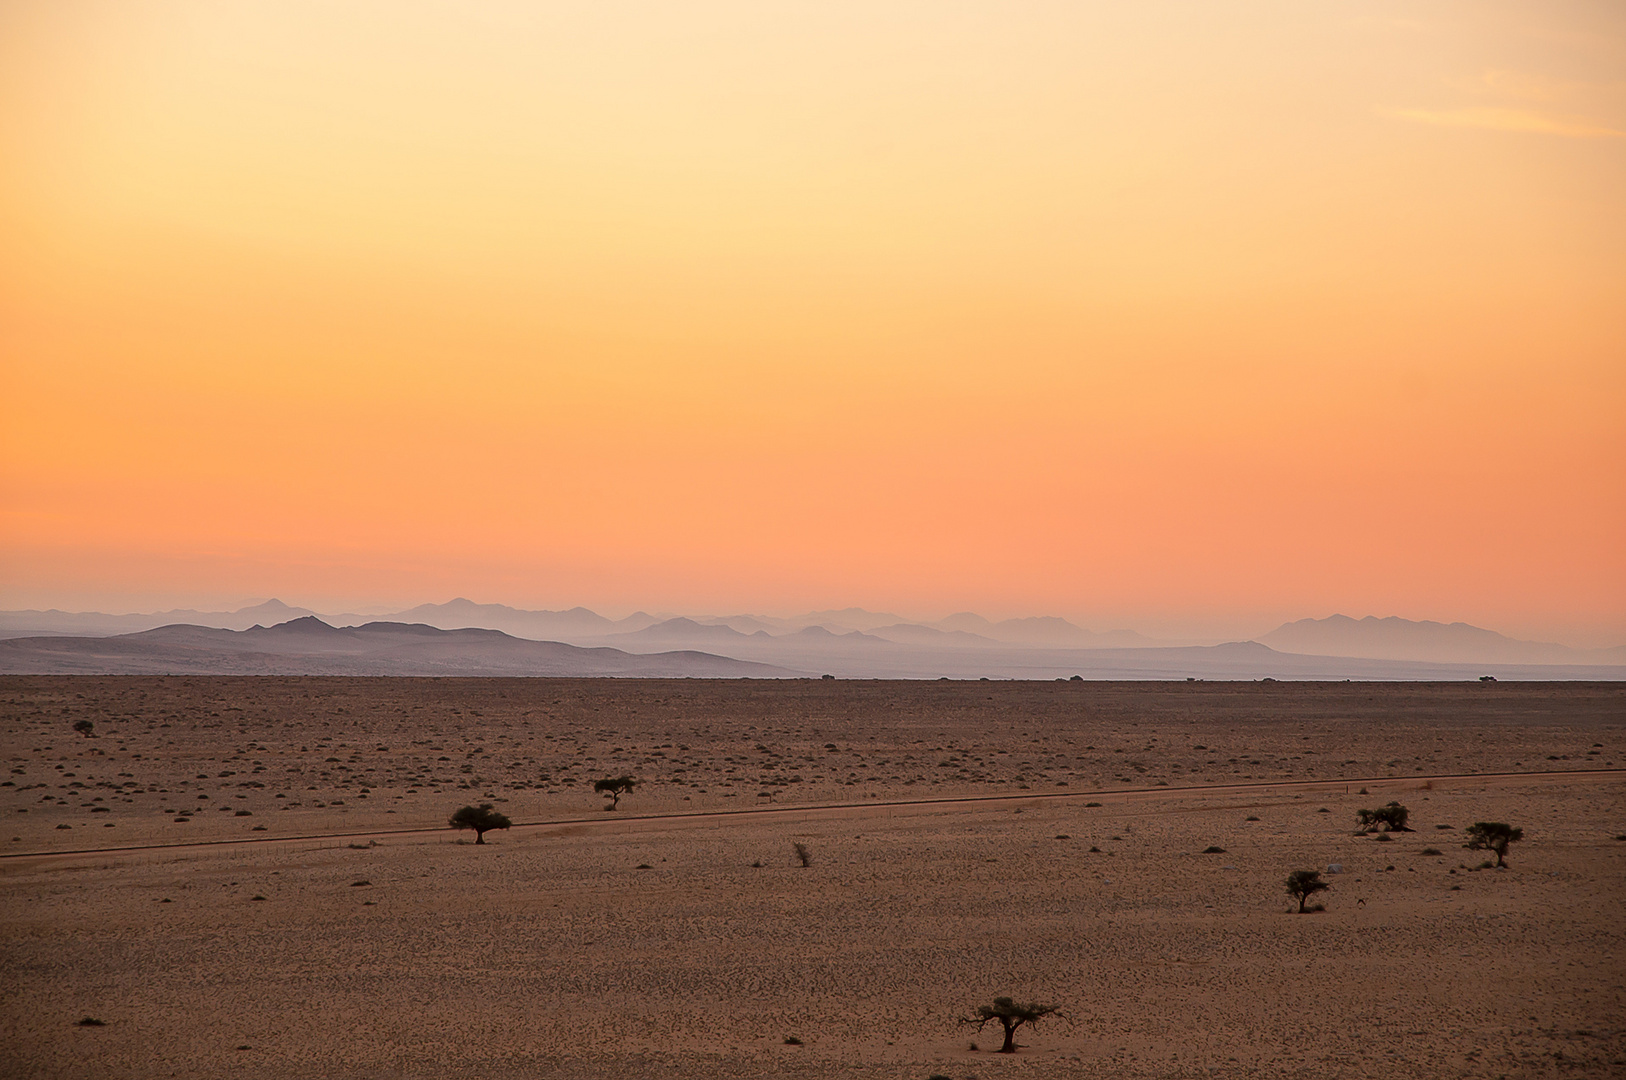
1394	638
308	624
968	621
272	607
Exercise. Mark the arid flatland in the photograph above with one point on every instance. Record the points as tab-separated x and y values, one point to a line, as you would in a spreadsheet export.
669	938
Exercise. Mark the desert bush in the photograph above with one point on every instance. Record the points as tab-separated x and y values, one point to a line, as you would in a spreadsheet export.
1493	836
84	727
1009	1016
1213	849
614	787
1389	818
90	1021
1432	851
791	1040
803	856
481	819
1303	884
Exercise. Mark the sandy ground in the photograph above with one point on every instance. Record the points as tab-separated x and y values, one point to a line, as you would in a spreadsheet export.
637	944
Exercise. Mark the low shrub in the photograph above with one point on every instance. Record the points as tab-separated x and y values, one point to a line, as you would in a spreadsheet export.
1390	818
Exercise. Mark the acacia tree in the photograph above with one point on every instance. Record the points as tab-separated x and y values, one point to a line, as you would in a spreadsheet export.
1010	1016
1493	836
86	728
614	787
1391	818
479	818
1303	884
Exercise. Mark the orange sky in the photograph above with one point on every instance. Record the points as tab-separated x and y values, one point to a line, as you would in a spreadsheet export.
1169	316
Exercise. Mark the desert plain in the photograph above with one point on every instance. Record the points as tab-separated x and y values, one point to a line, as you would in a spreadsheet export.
253	877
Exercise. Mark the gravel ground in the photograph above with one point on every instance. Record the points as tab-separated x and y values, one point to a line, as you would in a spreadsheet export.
629	946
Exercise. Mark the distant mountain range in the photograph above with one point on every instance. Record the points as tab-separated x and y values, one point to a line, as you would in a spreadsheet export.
1444	643
462	637
580	625
308	646
96	624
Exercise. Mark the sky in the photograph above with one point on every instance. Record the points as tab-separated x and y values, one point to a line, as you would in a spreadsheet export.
1185	317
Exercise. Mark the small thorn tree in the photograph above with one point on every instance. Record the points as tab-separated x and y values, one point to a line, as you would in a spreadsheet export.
614	787
1493	836
1390	818
1303	884
481	819
86	728
1010	1016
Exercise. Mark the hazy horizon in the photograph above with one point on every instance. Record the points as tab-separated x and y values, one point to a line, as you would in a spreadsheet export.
1157	630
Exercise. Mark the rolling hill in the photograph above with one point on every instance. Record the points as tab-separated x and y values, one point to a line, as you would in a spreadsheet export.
308	646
